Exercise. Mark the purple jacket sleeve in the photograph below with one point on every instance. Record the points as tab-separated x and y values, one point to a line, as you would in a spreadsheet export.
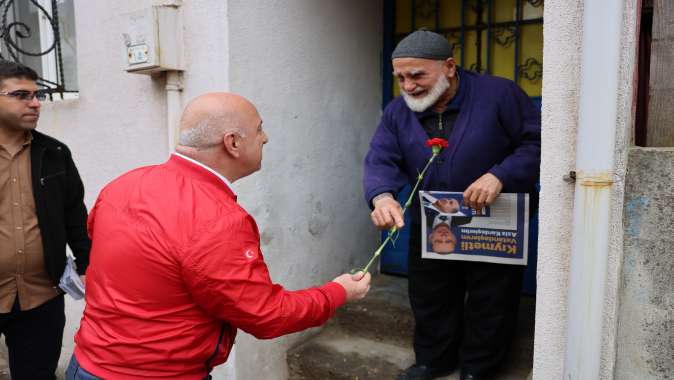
383	162
522	121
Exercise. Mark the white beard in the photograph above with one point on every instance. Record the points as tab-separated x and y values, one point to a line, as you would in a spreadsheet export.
422	104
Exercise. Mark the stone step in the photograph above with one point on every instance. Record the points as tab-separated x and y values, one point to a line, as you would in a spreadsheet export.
336	355
383	316
372	339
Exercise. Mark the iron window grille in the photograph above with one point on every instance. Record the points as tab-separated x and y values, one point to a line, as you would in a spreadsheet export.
31	33
483	28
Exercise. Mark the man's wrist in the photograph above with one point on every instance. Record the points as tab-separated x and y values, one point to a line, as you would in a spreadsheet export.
381	196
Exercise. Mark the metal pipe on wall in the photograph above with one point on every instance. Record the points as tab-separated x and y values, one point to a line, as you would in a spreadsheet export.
174	87
602	23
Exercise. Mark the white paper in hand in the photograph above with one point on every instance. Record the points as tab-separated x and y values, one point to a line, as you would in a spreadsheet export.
70	281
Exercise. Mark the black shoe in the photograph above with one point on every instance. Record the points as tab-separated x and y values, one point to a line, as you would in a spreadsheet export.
465	375
422	372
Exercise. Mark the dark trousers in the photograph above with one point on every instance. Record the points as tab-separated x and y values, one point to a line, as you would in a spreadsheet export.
463	310
34	339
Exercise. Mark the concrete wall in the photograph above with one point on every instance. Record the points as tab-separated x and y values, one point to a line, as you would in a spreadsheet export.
313	69
118	122
646	312
562	49
561	85
623	140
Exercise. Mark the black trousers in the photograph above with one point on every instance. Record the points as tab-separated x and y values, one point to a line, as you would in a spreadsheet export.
465	312
34	339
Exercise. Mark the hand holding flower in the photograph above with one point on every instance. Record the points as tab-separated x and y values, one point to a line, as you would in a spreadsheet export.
388	214
356	285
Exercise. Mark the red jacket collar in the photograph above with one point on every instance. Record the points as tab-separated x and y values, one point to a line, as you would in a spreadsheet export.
189	169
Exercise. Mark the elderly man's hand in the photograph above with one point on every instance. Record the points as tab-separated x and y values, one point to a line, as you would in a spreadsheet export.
482	192
356	285
387	212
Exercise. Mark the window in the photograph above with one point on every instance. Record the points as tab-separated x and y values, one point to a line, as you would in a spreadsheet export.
502	38
41	34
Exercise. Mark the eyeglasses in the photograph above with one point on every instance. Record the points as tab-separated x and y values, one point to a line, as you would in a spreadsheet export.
26	95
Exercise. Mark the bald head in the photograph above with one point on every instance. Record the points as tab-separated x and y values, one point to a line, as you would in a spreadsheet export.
207	119
224	132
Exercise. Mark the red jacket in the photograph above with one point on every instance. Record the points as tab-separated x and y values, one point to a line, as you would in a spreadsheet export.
175	258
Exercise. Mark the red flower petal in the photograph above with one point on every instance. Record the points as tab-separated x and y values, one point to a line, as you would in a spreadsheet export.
437	141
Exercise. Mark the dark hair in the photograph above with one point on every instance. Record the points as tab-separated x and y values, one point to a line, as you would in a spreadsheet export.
9	69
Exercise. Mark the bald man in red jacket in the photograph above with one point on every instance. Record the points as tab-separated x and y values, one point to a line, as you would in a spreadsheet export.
176	266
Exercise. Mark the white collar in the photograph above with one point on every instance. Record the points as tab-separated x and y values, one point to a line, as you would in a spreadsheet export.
225	180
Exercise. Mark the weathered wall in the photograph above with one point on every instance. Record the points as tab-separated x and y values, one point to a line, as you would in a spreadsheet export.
313	69
118	122
646	312
623	140
561	85
561	54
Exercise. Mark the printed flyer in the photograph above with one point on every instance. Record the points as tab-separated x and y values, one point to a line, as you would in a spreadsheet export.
498	233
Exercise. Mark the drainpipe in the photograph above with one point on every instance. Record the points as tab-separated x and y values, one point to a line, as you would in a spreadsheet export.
174	77
174	86
602	28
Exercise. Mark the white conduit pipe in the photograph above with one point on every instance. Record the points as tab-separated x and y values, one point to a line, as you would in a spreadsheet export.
174	87
602	24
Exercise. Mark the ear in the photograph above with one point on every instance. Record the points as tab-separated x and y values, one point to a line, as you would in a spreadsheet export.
450	67
232	144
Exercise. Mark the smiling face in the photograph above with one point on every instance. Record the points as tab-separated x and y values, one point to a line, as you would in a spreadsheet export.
424	82
17	114
442	239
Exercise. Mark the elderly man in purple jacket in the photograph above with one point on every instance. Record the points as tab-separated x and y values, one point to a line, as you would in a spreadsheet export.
465	312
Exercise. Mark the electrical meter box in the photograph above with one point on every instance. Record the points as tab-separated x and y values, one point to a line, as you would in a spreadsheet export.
153	39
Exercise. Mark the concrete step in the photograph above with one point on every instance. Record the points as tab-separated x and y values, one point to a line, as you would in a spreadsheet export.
383	316
372	340
336	355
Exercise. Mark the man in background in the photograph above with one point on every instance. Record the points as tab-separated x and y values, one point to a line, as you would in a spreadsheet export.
176	263
41	210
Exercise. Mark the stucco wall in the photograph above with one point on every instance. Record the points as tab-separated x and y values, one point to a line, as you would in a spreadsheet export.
561	71
623	140
313	70
118	122
646	319
561	76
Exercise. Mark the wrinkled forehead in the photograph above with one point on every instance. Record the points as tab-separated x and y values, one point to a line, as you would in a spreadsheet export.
412	66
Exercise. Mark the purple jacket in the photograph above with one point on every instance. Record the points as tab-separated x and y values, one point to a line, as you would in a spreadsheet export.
498	130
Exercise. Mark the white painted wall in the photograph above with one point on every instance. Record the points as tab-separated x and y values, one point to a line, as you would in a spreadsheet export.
313	69
626	104
561	54
561	85
118	122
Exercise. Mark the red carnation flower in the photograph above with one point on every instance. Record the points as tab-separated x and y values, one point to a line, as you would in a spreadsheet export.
442	143
436	145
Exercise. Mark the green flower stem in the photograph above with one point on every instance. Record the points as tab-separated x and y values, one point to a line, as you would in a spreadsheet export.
394	229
